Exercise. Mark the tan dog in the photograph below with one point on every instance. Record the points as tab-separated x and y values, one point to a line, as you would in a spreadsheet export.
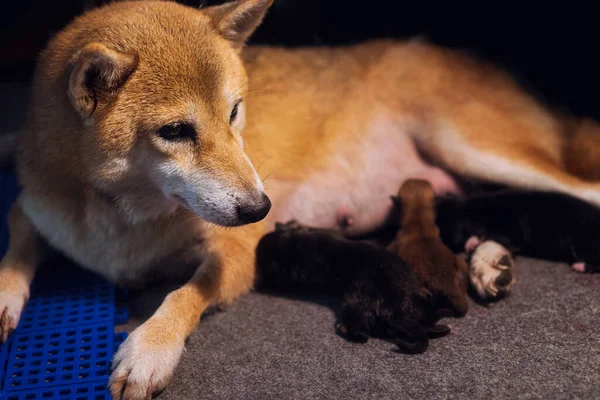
442	273
133	152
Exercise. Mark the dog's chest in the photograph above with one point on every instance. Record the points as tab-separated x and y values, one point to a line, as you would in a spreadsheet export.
100	242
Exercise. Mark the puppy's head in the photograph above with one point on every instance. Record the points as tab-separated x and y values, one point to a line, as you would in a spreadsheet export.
414	205
414	191
159	91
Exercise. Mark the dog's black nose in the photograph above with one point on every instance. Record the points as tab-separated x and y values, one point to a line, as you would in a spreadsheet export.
250	213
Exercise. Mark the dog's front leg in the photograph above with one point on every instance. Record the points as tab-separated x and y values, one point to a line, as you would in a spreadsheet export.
146	361
17	270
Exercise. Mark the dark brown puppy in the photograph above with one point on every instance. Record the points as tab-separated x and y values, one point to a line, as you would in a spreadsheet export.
381	295
418	243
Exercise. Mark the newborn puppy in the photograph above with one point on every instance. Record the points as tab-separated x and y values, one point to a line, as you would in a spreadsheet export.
381	296
438	269
545	225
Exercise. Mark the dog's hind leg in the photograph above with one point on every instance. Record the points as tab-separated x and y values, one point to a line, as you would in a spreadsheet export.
525	150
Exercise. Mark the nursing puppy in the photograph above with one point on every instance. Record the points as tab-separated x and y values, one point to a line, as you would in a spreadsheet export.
546	225
418	243
381	296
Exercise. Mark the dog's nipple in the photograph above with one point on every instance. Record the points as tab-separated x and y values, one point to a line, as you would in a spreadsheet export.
344	217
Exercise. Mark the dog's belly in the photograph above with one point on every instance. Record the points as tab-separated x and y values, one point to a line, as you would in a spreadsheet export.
352	191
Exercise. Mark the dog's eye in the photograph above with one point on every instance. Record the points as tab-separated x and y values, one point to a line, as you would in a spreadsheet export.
234	112
177	131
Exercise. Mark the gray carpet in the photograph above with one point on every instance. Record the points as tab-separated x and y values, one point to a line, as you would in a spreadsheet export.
541	342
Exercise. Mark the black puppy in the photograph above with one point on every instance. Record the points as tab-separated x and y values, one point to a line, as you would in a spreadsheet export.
546	225
381	295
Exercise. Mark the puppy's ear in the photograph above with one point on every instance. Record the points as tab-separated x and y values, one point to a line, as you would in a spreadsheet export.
237	20
97	75
397	203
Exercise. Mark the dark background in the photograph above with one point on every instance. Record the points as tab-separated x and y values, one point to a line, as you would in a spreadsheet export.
550	49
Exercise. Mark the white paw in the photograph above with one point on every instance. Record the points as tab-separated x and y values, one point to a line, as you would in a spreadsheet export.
491	270
13	297
145	362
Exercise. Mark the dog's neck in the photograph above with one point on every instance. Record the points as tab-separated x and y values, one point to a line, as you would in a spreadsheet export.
138	204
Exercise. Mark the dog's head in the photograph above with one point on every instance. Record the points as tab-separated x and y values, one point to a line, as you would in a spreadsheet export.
159	89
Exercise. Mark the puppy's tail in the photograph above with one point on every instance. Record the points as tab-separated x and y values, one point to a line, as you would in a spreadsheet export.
8	145
410	336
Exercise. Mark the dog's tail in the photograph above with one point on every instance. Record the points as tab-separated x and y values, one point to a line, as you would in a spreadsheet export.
581	152
8	145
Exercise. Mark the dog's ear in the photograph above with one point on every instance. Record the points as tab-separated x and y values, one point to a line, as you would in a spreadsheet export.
97	75
237	20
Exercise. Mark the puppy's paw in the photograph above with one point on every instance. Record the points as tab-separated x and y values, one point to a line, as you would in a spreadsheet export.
438	331
491	271
472	244
578	267
343	331
13	297
586	268
145	362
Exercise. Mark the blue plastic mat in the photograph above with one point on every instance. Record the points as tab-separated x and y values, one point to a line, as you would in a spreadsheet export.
65	341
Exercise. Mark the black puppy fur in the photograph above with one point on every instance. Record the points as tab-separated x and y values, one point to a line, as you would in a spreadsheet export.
381	295
546	225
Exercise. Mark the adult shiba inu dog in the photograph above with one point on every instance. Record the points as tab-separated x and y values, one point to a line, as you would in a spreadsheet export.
132	159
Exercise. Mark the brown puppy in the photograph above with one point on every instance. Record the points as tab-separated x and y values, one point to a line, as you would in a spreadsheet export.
440	271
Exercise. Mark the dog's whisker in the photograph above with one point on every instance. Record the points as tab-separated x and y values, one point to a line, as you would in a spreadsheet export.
261	164
236	91
267	177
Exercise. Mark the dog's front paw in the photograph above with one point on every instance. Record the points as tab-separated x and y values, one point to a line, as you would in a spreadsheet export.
145	362
491	270
13	297
11	306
